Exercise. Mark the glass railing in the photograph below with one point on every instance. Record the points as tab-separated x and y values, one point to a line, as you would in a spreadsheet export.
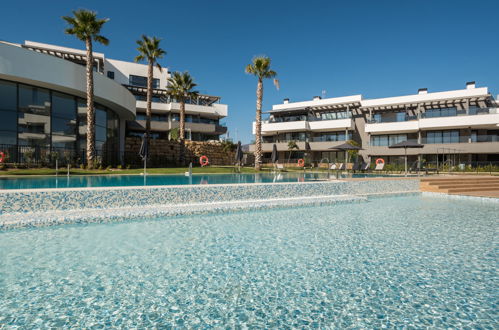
330	138
388	143
391	120
303	118
459	113
429	115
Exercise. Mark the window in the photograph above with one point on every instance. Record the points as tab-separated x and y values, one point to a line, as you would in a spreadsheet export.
110	74
400	116
443	112
387	140
34	116
8	112
434	137
332	136
141	81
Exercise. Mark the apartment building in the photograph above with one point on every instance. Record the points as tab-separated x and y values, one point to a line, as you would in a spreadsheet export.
42	102
203	114
462	125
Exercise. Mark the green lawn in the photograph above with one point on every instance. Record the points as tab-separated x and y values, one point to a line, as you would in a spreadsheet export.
77	171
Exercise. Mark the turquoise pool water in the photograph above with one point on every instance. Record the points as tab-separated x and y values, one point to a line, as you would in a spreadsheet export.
156	180
396	262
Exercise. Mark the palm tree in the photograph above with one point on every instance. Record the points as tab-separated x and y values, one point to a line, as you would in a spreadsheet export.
86	27
149	50
180	86
260	67
292	146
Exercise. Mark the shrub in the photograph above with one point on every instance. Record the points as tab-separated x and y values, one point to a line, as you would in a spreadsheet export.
120	167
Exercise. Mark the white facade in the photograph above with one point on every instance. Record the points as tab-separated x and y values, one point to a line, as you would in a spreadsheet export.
204	113
465	121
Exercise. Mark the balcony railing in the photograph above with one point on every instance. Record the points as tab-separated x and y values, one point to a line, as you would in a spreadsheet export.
303	118
391	120
459	113
460	139
429	115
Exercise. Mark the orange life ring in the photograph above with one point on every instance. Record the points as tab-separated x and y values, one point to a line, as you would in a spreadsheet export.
203	160
301	162
2	156
380	161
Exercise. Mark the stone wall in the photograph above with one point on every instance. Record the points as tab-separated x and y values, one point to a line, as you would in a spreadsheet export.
166	153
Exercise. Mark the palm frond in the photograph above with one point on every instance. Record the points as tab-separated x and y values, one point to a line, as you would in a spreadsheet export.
84	25
260	67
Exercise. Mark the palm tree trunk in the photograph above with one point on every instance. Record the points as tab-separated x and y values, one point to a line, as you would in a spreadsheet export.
182	132
90	106
258	126
149	98
182	120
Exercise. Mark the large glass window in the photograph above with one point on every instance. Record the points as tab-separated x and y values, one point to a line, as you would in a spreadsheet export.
443	112
387	140
8	96
34	116
63	121
434	137
8	113
141	81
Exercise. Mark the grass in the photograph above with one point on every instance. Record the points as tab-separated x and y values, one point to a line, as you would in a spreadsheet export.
174	170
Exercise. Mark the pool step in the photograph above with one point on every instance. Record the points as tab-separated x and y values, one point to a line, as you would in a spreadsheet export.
460	185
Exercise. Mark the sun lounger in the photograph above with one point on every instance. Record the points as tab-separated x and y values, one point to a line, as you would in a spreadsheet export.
379	167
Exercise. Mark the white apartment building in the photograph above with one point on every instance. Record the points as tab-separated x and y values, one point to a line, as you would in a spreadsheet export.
202	114
43	106
462	125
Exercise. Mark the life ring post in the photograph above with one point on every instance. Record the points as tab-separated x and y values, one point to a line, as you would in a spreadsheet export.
204	161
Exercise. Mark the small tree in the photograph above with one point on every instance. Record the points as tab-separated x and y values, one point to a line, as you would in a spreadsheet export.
353	153
291	146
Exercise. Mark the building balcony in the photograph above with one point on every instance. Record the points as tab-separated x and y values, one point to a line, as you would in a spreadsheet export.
331	125
269	128
272	127
480	144
196	127
483	118
393	127
283	146
156	126
215	110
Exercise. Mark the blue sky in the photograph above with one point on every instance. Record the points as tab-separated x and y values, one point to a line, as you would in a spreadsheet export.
374	48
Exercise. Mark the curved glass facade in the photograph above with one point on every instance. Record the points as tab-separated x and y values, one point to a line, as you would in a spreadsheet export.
40	124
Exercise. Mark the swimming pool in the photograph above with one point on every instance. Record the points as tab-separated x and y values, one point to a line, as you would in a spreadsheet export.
158	180
394	261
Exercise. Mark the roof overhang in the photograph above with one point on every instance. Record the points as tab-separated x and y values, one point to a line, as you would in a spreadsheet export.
450	102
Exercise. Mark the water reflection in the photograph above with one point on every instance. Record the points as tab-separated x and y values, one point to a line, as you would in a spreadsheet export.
160	180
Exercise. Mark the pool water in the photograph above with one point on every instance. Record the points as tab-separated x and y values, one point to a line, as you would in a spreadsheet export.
394	262
158	180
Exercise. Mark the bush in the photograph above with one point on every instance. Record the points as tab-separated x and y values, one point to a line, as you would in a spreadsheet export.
128	166
120	167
